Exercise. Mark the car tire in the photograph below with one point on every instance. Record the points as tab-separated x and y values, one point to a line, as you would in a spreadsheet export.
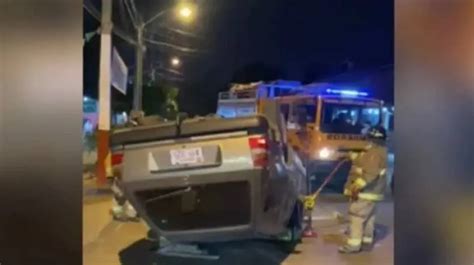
295	227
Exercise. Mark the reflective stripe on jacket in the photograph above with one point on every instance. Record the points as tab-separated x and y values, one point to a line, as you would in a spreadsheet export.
366	195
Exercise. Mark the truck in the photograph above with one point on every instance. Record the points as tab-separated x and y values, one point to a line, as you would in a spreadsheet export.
211	179
325	122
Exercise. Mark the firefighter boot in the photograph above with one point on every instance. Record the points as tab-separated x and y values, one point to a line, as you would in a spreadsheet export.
350	249
351	246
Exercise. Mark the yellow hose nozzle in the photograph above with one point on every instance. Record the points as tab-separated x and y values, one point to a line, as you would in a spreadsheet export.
309	202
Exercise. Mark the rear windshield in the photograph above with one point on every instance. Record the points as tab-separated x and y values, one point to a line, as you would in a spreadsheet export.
349	118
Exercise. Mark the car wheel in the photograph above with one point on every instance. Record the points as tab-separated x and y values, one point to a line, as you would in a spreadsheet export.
295	228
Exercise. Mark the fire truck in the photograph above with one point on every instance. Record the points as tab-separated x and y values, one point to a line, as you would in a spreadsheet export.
325	122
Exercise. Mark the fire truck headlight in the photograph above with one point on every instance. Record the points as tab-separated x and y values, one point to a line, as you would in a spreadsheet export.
325	153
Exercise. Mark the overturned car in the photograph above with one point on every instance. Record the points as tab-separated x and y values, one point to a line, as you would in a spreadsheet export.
212	179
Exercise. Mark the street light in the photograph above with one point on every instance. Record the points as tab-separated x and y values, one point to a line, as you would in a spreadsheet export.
185	11
175	61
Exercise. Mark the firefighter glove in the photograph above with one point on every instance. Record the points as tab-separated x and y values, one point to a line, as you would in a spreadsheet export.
354	192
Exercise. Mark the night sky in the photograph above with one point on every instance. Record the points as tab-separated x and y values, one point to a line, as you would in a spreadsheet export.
297	40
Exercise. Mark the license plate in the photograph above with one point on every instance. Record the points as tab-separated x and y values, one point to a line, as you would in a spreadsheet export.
186	156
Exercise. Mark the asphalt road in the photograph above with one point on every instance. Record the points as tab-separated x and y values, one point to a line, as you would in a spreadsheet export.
124	244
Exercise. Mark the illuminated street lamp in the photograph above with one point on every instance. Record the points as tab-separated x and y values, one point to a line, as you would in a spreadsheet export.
185	12
175	61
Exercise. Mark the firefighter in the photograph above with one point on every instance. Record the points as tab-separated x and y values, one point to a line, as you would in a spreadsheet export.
365	186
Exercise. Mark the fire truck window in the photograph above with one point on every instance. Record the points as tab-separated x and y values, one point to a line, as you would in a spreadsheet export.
310	111
349	119
301	115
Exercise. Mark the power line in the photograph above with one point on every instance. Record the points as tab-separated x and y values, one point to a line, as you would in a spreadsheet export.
124	17
169	45
169	70
178	31
90	8
133	18
182	32
135	12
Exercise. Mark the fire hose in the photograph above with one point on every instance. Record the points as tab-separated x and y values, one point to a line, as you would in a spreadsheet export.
309	200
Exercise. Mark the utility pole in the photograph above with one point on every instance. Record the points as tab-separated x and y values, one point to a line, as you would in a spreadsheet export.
185	13
138	89
104	93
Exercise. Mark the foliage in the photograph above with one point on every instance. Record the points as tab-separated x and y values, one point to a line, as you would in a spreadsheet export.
160	98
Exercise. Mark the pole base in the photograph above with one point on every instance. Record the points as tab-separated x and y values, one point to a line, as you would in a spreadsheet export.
102	153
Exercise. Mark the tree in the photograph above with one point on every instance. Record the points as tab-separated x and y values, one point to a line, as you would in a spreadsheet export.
160	98
169	109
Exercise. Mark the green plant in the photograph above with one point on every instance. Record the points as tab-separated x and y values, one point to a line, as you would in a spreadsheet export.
160	98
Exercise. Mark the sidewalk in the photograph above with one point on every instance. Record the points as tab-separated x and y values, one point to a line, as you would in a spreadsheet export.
97	203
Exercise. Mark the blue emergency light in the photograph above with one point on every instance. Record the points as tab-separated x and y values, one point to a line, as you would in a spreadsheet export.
344	92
